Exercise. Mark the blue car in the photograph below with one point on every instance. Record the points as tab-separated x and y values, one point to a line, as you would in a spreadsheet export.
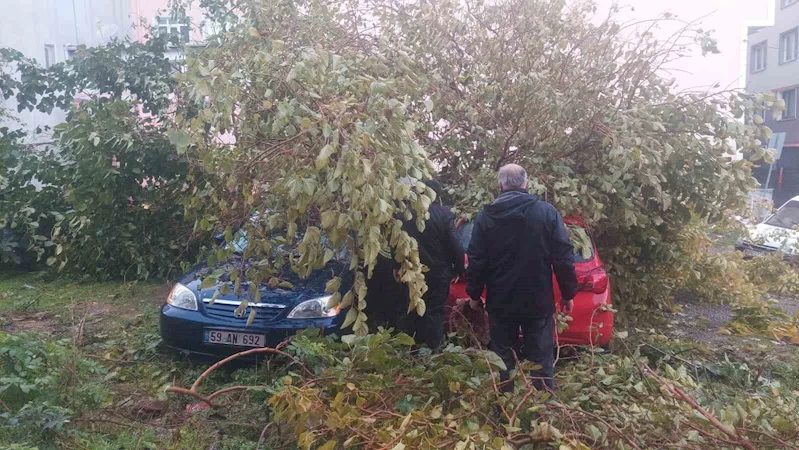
192	320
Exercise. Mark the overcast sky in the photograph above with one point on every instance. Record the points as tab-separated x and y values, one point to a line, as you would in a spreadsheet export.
728	18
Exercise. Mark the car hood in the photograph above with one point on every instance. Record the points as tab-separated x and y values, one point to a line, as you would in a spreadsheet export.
783	239
300	290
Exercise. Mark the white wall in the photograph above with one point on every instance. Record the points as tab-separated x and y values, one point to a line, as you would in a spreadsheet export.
776	75
27	25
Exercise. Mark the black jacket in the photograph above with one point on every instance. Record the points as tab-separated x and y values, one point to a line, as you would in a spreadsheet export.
516	244
439	248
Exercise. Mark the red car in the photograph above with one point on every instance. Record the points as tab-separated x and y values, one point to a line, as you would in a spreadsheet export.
592	320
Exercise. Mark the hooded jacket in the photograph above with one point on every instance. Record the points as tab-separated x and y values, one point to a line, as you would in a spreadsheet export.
516	244
439	248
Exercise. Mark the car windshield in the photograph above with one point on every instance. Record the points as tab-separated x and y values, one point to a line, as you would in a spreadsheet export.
464	235
786	217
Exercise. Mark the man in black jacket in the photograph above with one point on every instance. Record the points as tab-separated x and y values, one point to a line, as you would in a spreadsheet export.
516	244
441	252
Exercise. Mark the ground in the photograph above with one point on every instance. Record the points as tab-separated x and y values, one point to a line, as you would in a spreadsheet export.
116	325
112	327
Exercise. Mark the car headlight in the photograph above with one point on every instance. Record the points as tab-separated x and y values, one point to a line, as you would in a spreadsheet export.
182	297
313	309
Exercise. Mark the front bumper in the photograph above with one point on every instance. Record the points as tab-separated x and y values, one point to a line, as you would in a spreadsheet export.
183	330
751	250
592	322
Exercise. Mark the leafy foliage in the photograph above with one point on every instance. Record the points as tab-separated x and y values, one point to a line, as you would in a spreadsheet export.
42	383
311	113
105	199
373	392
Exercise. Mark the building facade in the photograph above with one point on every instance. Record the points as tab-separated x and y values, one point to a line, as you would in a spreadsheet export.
50	32
773	66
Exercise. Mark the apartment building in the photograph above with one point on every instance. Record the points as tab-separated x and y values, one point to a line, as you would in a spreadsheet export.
50	32
773	66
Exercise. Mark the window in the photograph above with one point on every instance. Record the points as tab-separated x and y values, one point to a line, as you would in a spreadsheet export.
49	55
787	3
464	235
70	51
785	217
788	45
757	58
789	97
173	27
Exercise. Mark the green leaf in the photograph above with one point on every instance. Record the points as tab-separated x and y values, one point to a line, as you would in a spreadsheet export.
333	285
334	300
346	302
215	296
494	360
251	317
328	256
352	314
404	339
329	445
179	138
324	156
208	282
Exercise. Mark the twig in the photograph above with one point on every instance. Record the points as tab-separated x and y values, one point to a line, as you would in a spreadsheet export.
263	436
710	417
190	393
255	351
607	424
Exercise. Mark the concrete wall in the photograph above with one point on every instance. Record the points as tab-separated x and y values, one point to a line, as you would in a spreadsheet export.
776	75
28	25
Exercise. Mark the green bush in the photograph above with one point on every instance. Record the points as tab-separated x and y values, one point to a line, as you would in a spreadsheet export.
42	384
107	201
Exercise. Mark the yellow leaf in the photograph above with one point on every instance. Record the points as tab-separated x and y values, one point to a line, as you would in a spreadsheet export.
352	314
329	445
347	300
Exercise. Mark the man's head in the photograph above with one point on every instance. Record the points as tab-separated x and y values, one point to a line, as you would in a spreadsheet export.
512	177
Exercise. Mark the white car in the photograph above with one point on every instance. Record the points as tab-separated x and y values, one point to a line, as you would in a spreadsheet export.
778	233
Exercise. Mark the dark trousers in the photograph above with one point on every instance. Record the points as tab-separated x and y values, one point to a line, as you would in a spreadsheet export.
429	329
538	346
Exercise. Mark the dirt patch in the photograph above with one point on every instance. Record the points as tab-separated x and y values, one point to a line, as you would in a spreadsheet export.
698	323
38	322
788	304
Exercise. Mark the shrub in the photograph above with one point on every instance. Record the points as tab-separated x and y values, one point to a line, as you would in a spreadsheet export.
42	383
107	196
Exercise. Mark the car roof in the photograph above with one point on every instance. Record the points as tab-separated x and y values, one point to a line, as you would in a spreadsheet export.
575	220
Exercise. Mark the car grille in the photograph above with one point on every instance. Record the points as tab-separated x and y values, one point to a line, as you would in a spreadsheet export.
263	315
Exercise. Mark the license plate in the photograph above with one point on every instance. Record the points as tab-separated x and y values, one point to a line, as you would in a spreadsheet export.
225	337
751	252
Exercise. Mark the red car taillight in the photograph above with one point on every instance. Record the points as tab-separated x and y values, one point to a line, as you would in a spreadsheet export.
595	281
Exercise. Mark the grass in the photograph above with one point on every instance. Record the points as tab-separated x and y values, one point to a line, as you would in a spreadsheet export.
114	326
110	371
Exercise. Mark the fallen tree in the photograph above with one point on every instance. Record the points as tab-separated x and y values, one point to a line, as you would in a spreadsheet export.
372	392
310	115
315	124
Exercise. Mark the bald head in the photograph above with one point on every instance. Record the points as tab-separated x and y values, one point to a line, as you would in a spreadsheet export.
512	177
